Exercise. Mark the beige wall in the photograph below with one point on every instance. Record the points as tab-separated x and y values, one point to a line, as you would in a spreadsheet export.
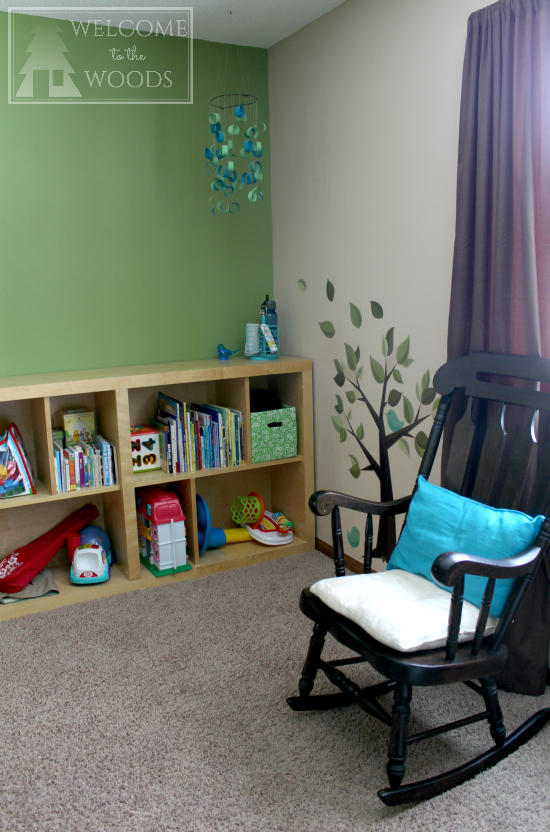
364	107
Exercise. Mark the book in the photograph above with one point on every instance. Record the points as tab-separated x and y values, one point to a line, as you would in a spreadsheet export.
56	466
79	467
89	467
174	408
196	440
239	436
217	419
98	470
58	435
165	445
78	424
190	444
225	433
68	455
103	446
58	455
115	463
204	423
112	464
168	419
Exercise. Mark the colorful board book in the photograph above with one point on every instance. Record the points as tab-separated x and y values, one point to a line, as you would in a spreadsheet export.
145	448
78	425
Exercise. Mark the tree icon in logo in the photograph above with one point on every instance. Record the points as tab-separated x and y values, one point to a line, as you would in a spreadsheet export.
47	53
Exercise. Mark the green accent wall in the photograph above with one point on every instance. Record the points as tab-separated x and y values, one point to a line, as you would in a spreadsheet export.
109	252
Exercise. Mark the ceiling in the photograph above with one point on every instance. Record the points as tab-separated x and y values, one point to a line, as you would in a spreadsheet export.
259	23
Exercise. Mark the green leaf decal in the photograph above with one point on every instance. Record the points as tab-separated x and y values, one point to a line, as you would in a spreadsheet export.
355	469
355	315
418	392
403	350
340	379
428	395
339	406
397	376
394	398
358	354
420	442
343	435
337	422
404	446
339	365
330	291
408	411
376	309
407	362
327	328
435	405
351	357
302	285
350	395
425	380
360	432
394	421
389	339
359	372
384	346
353	537
377	370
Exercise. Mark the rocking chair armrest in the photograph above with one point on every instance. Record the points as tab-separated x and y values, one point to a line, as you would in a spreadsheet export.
451	567
323	502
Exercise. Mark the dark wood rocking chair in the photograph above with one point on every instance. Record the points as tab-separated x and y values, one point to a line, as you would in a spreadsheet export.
493	468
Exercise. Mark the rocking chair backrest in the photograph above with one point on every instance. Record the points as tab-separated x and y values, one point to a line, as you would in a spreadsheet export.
496	456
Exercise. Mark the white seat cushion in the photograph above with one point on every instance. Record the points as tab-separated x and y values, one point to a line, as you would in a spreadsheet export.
399	609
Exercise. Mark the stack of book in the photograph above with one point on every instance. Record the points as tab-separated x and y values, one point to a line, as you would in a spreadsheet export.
83	464
198	436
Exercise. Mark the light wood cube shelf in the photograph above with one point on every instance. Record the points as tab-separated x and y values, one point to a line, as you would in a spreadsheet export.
123	396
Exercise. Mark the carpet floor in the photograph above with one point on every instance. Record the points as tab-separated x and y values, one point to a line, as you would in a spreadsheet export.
164	709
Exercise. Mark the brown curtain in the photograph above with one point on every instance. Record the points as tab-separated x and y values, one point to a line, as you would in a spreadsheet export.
500	295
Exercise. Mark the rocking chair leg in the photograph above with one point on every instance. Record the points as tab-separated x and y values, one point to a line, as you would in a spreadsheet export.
398	737
311	665
496	721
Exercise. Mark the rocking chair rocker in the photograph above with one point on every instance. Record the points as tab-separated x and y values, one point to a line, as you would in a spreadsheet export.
490	475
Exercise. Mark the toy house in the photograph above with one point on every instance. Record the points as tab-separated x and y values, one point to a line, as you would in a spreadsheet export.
161	531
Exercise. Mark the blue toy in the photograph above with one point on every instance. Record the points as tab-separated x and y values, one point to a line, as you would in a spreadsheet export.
213	538
92	559
223	353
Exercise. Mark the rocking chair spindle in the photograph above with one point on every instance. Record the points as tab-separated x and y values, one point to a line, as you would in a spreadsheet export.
337	542
367	560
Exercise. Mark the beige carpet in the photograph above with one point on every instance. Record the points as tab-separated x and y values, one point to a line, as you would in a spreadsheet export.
165	710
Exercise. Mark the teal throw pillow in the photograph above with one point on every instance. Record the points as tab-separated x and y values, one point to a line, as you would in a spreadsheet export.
441	521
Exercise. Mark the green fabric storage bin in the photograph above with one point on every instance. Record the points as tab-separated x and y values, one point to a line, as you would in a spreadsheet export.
274	434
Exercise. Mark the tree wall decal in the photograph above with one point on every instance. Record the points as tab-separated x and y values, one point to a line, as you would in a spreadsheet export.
392	429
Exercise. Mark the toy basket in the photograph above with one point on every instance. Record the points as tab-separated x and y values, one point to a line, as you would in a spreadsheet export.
274	434
257	347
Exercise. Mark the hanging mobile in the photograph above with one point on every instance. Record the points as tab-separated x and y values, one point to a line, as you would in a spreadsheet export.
234	119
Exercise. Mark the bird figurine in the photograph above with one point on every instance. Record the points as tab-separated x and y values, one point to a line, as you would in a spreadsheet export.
223	353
